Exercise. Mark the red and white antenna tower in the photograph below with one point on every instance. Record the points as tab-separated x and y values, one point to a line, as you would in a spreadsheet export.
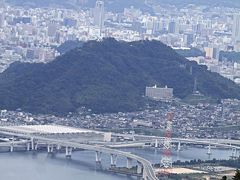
167	152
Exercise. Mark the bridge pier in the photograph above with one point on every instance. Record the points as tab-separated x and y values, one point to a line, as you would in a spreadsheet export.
32	144
50	148
113	160
36	146
144	176
98	157
156	143
129	163
68	152
28	146
139	168
234	153
209	150
179	146
11	148
58	147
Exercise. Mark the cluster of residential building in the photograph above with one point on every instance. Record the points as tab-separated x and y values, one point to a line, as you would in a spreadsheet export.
195	121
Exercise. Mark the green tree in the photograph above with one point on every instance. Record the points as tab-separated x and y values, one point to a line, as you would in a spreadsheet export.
237	175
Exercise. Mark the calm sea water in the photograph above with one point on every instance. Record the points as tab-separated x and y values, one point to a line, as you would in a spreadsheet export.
82	166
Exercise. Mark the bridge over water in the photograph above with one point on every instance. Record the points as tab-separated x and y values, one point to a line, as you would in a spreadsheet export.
157	140
33	140
144	167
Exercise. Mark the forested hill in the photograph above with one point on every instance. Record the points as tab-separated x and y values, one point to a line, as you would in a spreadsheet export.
106	76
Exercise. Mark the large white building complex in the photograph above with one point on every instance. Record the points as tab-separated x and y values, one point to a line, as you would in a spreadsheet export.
80	134
158	93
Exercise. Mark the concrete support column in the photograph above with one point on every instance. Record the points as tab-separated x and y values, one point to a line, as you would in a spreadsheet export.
129	163
144	176
36	146
11	148
234	153
139	168
50	148
98	157
68	151
156	143
32	144
28	146
179	146
113	160
209	150
58	147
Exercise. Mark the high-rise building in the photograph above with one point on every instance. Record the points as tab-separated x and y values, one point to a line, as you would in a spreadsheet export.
99	14
152	25
173	27
212	52
188	39
236	28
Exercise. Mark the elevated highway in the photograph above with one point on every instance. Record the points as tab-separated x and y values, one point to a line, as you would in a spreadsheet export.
225	143
144	166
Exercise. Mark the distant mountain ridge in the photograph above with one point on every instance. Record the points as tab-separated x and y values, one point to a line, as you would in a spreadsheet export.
106	76
110	5
211	3
119	5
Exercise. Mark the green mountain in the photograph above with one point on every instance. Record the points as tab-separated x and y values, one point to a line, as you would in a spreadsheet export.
106	76
68	46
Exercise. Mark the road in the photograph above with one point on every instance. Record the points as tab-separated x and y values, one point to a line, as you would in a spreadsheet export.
148	171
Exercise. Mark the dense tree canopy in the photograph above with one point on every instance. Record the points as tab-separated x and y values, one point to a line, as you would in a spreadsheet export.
68	46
